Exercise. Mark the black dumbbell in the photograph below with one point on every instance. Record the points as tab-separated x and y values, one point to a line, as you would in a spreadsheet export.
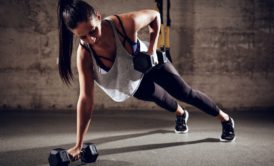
60	157
144	63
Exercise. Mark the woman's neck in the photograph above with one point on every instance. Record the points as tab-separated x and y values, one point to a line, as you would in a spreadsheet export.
106	34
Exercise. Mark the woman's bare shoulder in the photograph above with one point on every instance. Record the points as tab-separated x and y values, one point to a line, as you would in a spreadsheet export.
83	58
126	21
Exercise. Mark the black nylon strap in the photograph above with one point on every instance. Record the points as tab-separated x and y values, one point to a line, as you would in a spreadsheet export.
97	58
124	31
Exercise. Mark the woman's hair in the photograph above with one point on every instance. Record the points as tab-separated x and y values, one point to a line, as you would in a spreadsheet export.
69	13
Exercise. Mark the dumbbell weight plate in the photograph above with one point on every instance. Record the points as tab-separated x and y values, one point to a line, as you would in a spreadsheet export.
143	62
59	157
89	153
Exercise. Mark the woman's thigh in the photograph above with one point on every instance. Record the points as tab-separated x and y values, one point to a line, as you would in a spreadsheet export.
151	91
168	77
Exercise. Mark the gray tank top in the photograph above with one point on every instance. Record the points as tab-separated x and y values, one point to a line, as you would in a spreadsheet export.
121	81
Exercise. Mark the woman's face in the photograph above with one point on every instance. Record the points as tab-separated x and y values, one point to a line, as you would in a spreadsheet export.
89	31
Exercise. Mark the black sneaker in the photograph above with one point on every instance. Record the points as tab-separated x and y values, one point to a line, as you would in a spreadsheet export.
181	123
228	131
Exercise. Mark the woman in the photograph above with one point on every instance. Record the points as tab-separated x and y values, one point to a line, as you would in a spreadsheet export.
104	56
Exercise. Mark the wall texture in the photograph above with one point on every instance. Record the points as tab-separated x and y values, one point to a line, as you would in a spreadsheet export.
224	48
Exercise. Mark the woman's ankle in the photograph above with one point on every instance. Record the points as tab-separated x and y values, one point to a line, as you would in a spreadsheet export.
180	111
223	116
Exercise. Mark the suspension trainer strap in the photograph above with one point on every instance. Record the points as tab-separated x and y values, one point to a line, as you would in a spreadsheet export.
161	40
167	32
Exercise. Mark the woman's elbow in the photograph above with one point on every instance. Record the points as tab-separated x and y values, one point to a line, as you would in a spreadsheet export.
85	103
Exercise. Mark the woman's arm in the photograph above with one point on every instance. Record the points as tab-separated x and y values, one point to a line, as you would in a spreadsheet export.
85	101
150	18
134	21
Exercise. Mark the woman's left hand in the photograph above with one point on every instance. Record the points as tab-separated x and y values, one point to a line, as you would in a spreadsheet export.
74	153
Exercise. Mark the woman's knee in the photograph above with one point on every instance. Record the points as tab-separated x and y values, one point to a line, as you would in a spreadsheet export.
184	94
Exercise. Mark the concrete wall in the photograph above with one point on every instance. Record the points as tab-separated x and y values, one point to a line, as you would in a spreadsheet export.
224	48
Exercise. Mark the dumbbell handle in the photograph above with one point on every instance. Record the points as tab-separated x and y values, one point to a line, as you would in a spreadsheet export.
60	156
162	58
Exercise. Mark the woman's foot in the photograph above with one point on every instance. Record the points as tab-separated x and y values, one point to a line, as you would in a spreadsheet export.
181	123
228	126
228	133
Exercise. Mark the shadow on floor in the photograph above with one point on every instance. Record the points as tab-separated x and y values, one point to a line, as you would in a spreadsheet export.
99	162
127	136
153	146
36	156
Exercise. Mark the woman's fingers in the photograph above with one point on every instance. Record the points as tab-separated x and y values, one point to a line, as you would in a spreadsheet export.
74	158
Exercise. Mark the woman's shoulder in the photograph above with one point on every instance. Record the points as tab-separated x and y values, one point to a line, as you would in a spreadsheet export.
83	55
133	17
114	20
125	21
126	18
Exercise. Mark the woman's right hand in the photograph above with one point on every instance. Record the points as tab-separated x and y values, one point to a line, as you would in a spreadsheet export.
74	153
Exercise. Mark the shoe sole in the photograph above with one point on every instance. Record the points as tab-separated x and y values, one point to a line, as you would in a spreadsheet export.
225	140
183	132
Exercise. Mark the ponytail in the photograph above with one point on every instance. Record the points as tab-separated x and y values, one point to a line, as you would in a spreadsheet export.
65	44
69	14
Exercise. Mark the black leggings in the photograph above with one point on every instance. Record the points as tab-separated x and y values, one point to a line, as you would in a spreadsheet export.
163	83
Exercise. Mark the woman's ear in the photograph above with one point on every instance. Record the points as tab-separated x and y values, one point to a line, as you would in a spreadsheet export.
98	15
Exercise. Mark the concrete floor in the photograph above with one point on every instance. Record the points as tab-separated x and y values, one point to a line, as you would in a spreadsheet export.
139	138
